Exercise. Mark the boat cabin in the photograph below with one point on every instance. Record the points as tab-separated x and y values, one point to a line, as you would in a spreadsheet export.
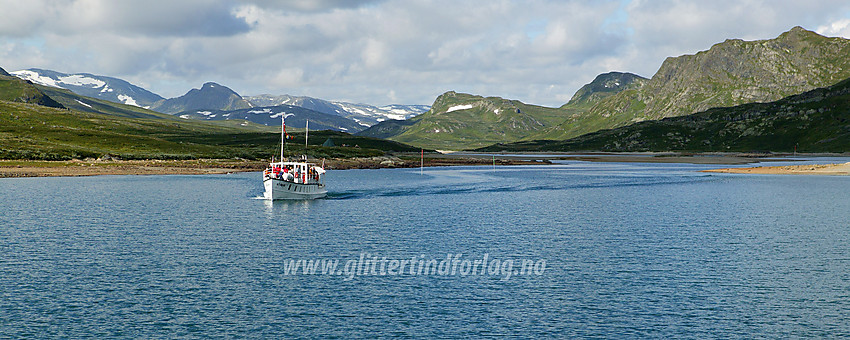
295	172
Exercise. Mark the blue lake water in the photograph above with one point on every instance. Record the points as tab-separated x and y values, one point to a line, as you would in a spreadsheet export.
624	250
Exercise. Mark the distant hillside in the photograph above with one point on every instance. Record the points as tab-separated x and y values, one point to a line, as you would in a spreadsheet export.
78	102
387	128
458	120
37	132
210	96
815	121
730	73
19	90
604	86
363	114
90	85
271	116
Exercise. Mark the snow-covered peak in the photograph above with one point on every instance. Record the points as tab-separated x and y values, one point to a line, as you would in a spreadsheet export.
363	114
35	78
107	88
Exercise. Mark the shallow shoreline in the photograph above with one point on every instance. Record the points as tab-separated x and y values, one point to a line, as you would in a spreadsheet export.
90	167
645	157
75	168
839	169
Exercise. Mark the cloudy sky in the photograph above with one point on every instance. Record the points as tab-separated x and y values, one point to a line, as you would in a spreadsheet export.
385	51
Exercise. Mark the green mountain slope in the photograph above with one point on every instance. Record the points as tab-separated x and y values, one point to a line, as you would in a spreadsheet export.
387	128
815	121
730	73
604	86
601	89
458	120
22	91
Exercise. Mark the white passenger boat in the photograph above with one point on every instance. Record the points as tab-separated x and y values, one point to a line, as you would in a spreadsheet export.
296	180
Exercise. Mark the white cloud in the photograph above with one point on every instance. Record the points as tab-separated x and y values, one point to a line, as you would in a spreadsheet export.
537	51
839	28
289	77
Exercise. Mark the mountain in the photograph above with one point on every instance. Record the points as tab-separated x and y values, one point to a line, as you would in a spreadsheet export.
458	120
77	102
454	118
814	121
366	115
18	90
729	73
270	116
604	86
85	84
210	96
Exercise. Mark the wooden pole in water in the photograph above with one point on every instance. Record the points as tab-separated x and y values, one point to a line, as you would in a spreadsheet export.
494	162
422	161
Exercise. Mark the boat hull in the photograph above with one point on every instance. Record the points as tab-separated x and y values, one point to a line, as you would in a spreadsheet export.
277	189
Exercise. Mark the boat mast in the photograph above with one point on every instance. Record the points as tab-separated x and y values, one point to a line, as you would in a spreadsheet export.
282	135
306	132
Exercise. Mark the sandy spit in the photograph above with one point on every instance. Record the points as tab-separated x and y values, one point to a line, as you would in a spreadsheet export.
809	169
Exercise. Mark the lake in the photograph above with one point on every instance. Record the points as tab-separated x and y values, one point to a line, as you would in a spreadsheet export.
575	249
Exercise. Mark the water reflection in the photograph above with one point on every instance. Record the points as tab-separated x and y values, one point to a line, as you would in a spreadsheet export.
276	209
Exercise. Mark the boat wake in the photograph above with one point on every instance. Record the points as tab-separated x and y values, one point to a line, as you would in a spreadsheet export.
490	188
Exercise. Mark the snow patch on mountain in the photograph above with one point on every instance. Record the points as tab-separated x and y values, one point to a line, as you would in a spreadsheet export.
83	104
81	80
459	107
260	111
127	100
35	78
